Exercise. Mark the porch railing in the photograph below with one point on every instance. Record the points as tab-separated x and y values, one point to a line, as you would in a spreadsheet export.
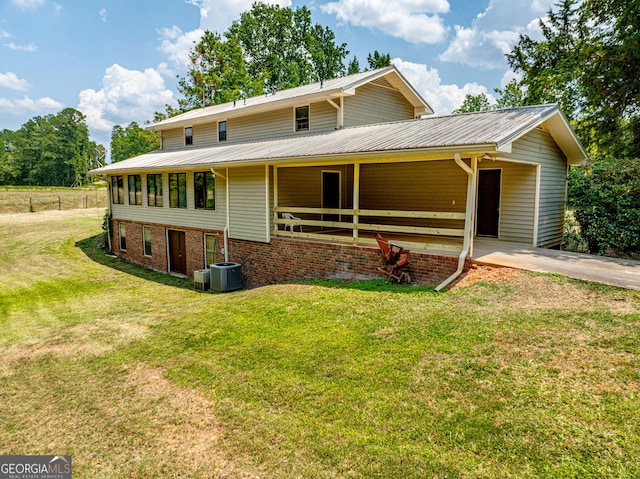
425	234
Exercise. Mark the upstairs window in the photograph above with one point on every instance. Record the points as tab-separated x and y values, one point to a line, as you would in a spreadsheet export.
117	190
188	136
178	190
205	190
135	190
302	118
154	190
222	131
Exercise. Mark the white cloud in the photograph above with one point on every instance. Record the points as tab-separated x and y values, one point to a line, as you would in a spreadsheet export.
493	33
28	3
11	80
103	14
442	98
217	15
4	34
29	106
126	96
415	21
31	47
176	44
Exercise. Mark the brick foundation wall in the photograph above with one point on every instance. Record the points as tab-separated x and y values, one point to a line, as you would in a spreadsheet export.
281	260
288	259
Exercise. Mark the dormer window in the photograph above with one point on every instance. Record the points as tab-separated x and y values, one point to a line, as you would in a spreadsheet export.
188	136
302	118
222	131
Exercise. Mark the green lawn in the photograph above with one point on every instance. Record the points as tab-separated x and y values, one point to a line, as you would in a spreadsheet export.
135	374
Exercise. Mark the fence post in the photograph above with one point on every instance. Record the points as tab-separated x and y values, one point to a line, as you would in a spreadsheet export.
30	204
59	204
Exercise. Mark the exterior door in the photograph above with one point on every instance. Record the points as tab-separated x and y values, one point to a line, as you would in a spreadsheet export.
488	217
177	252
330	193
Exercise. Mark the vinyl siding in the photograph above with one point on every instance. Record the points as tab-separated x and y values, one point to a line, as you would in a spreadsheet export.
186	217
303	186
517	195
538	146
414	186
375	104
276	124
248	211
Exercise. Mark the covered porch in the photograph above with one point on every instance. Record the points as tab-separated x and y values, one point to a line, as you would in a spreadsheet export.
424	205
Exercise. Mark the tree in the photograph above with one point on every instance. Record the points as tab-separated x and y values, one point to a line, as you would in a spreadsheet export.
378	60
53	150
283	46
511	96
218	73
132	141
588	61
473	103
353	67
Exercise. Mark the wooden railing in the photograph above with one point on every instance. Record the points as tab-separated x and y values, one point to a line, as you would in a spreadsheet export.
356	225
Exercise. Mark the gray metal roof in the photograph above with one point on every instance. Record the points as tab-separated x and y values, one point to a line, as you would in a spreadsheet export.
493	130
332	88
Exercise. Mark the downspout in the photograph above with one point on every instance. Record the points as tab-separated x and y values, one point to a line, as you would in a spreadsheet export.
225	231
466	245
340	114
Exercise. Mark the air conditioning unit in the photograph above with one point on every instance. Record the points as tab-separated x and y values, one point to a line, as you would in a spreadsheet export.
226	277
201	279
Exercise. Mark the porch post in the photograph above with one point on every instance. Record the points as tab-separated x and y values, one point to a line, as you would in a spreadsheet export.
356	198
275	199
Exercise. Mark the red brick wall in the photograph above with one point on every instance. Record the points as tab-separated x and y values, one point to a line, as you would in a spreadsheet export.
283	259
288	259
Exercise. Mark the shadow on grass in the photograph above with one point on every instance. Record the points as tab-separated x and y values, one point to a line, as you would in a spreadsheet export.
92	247
373	285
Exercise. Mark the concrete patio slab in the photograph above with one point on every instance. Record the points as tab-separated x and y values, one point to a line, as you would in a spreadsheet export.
611	271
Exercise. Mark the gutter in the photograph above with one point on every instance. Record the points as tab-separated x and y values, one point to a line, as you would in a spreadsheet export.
468	230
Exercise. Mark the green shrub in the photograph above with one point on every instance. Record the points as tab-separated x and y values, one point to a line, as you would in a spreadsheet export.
605	196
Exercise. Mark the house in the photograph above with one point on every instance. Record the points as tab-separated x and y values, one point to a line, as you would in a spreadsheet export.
296	183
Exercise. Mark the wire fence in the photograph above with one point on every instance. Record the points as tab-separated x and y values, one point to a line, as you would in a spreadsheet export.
17	201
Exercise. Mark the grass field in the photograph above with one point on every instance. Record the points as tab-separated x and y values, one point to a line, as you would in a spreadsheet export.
21	199
136	375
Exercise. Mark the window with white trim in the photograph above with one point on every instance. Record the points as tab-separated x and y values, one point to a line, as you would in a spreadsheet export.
188	136
302	118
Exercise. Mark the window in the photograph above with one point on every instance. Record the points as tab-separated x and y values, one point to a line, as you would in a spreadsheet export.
135	190
122	231
222	131
205	190
154	190
178	190
146	237
188	135
117	190
210	249
302	118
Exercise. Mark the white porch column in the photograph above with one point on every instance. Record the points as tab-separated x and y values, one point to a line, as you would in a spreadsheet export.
356	198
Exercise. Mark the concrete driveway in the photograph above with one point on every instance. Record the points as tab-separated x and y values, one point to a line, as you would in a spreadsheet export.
612	271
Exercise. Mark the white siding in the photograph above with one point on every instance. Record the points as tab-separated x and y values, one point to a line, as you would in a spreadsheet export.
375	104
538	146
248	211
186	217
517	200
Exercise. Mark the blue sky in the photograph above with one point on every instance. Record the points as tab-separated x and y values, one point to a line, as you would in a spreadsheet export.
117	60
